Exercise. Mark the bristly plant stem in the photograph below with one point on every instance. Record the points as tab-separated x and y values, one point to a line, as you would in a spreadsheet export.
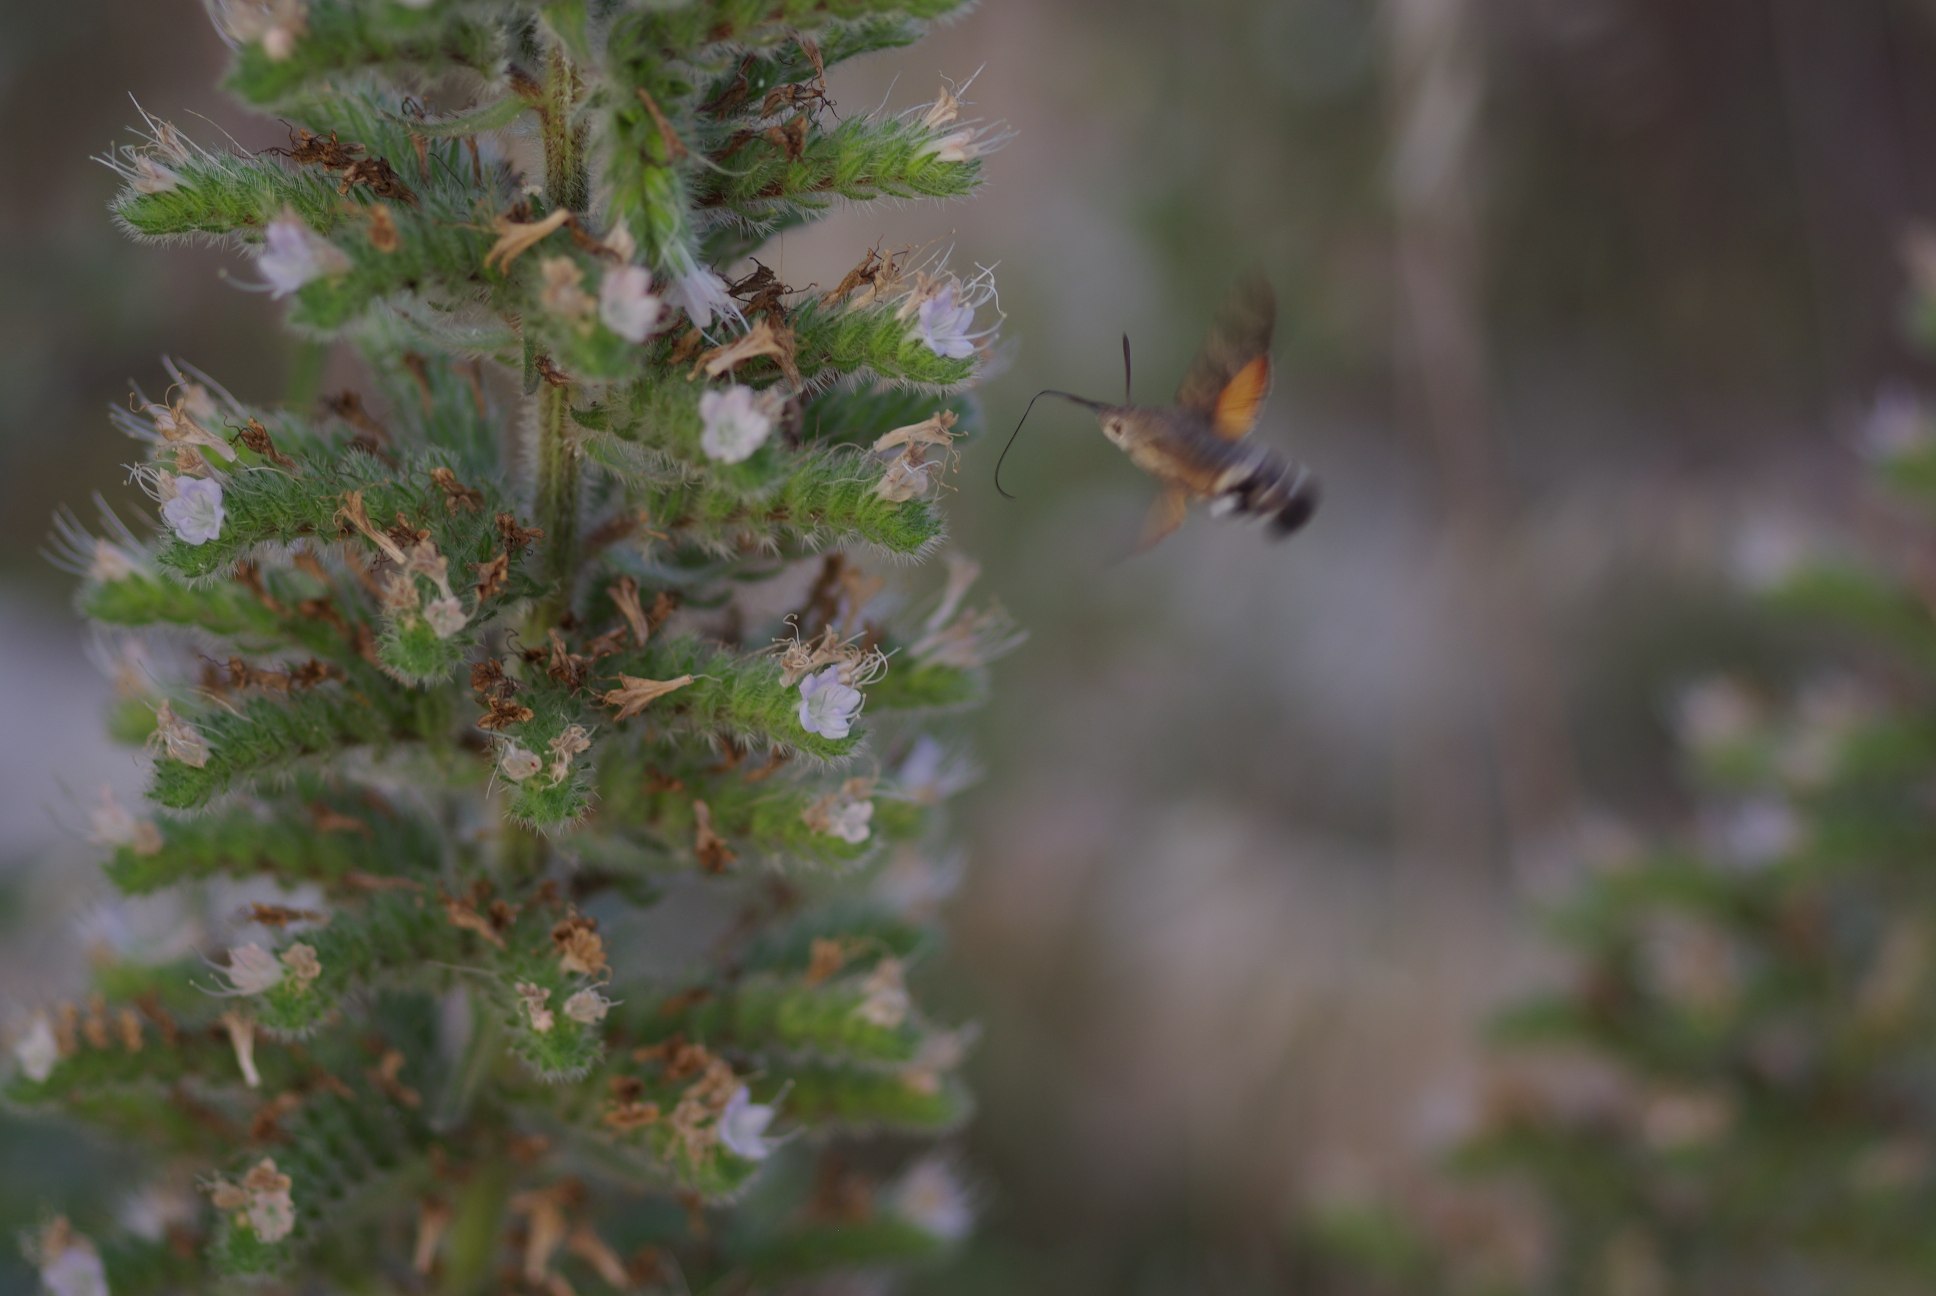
559	461
566	184
558	455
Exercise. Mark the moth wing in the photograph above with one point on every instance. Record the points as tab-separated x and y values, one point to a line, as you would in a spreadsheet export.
1165	516
1231	377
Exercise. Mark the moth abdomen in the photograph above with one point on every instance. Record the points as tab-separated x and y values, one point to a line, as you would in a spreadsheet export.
1285	495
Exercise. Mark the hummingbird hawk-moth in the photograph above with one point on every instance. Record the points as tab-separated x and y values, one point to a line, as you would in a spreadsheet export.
1199	447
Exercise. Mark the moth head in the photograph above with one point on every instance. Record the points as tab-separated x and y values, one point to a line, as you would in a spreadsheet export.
1115	424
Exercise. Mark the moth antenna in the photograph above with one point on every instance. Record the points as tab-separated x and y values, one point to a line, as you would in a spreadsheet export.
1046	391
1127	398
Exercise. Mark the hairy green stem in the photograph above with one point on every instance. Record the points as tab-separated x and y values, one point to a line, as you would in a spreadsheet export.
559	464
566	183
477	1231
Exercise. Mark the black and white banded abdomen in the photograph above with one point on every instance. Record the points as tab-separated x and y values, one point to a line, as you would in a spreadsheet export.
1265	486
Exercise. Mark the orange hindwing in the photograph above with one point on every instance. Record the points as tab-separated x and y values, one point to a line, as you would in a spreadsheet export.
1242	400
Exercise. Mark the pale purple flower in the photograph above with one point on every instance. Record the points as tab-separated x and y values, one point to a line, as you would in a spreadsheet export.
587	1007
446	616
76	1271
37	1051
293	254
702	295
742	1126
931	1198
195	514
518	764
959	146
947	325
626	303
252	970
827	706
736	424
851	821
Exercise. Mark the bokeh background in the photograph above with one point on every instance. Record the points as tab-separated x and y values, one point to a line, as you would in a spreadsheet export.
1583	308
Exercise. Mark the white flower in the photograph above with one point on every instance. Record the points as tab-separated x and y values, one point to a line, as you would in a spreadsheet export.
151	177
518	764
195	514
886	1004
961	146
906	479
735	423
828	707
108	824
272	1215
534	999
266	1197
275	25
931	1198
626	304
37	1051
1897	426
293	254
560	293
587	1007
702	295
742	1126
947	326
251	970
69	1264
930	773
850	820
446	616
179	739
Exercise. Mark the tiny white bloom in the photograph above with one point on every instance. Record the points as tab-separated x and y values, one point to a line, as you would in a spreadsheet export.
742	1126
626	304
1897	426
271	1208
906	479
75	1271
37	1051
587	1007
272	1216
886	1004
947	325
560	293
108	824
960	146
518	764
702	295
151	177
293	254
930	1197
828	707
534	999
109	563
195	514
931	774
446	616
735	423
252	970
619	239
850	820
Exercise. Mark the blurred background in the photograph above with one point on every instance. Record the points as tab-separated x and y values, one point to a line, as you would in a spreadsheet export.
1583	307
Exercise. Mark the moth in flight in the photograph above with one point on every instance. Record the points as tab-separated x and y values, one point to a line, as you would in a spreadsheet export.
1199	448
